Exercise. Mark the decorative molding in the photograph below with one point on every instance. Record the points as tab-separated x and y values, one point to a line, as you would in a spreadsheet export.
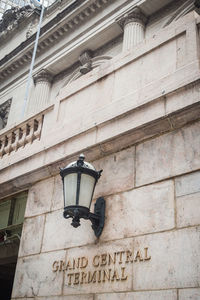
95	62
58	33
184	9
134	15
31	26
197	6
86	62
4	111
43	76
12	18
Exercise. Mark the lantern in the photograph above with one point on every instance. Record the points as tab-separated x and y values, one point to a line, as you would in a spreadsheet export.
79	181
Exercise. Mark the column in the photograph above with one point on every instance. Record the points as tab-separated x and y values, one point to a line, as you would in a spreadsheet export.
40	98
133	24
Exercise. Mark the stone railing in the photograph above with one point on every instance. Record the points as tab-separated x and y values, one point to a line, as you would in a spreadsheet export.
19	136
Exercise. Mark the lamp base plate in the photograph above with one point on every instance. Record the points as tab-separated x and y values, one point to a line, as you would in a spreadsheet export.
99	210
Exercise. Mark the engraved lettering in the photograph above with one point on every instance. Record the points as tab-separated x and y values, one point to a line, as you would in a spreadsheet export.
129	256
99	276
62	265
69	275
138	256
123	277
96	261
55	266
120	256
76	278
100	261
115	276
92	276
83	278
69	266
106	275
112	259
84	262
103	259
76	263
146	257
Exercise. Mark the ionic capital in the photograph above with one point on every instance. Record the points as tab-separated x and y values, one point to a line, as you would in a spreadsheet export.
133	16
43	76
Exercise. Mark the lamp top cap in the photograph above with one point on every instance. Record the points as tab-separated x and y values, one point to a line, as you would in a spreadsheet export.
81	163
82	156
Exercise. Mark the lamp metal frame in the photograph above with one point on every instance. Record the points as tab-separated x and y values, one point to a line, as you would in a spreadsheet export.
76	212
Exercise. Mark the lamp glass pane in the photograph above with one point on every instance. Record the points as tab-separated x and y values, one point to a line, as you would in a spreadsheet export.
86	190
70	186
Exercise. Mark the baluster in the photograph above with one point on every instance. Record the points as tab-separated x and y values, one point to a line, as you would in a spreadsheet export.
15	144
8	139
1	147
13	137
22	136
30	131
4	142
38	129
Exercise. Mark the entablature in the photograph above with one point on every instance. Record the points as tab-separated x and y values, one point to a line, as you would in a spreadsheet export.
65	35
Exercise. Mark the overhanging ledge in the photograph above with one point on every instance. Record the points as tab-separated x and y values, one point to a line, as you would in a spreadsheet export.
13	181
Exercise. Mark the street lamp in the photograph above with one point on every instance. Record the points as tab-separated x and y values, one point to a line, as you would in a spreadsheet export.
79	180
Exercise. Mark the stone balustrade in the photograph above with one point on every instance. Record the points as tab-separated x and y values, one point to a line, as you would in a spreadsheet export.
19	136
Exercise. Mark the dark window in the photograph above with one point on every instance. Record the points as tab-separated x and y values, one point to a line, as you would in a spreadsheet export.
4	111
11	220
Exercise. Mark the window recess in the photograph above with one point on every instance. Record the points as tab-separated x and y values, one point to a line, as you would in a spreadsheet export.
12	212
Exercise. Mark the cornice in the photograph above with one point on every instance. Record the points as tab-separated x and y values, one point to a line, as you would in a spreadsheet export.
12	61
184	9
197	6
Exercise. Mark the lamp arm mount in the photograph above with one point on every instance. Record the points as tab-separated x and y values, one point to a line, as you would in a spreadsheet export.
98	217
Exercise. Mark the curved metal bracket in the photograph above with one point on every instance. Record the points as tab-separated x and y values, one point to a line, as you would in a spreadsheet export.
98	217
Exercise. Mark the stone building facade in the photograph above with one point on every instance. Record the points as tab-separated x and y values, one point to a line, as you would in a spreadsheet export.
118	81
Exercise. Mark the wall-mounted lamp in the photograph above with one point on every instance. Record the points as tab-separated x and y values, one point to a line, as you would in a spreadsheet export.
79	180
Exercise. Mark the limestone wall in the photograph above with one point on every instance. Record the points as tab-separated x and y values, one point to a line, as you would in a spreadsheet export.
130	98
137	118
152	202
